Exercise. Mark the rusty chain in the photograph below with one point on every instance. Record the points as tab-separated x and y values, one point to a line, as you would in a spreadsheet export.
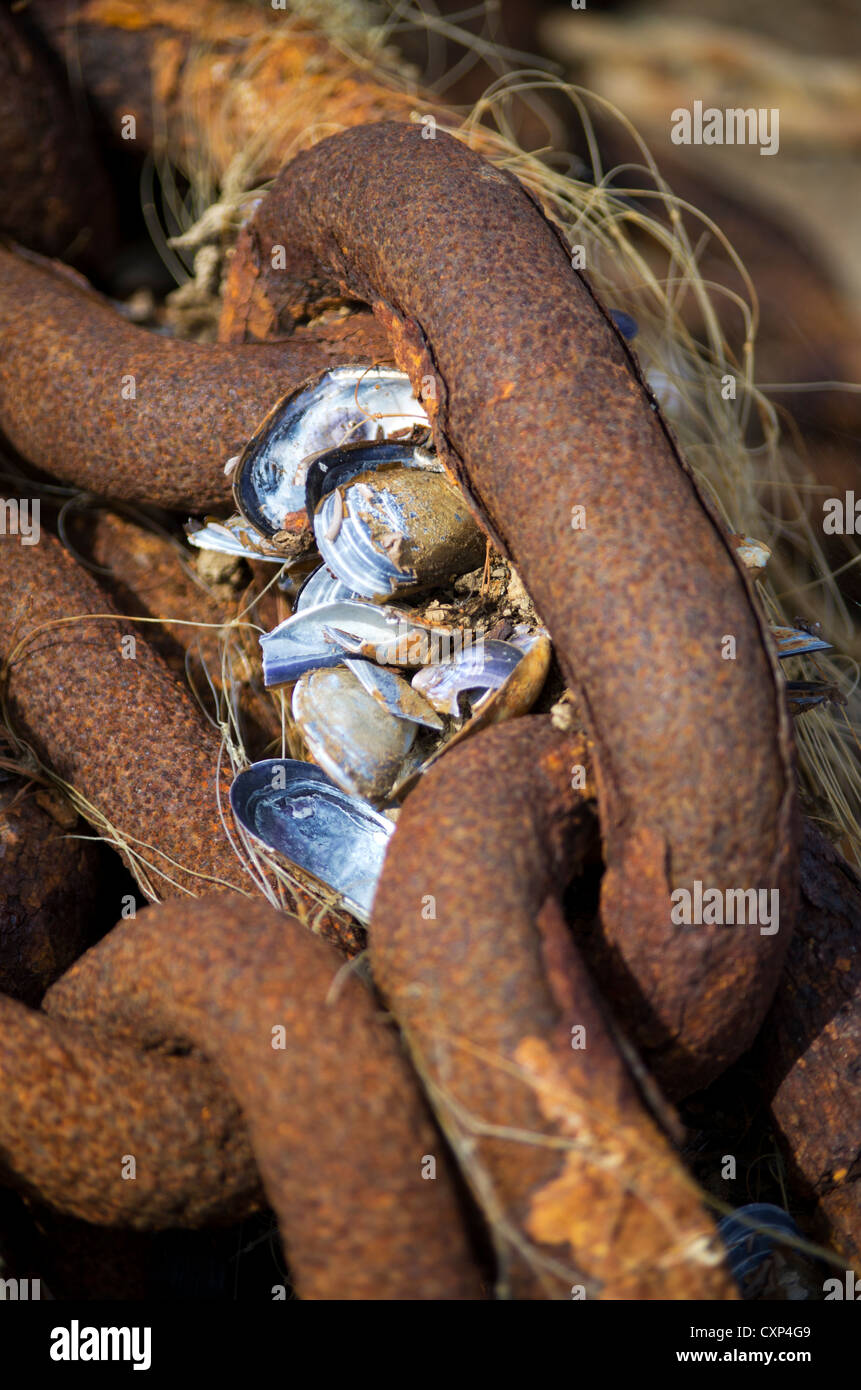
162	1041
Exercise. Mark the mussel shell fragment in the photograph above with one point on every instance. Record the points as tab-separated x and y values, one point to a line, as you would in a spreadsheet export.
515	696
321	586
806	695
347	403
793	641
750	1234
295	646
232	537
325	836
484	666
322	636
394	693
387	520
753	554
301	644
518	693
349	734
332	468
626	324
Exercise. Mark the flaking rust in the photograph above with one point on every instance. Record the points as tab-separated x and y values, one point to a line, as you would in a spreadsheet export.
336	1119
142	572
108	406
75	1102
104	713
539	409
470	948
205	78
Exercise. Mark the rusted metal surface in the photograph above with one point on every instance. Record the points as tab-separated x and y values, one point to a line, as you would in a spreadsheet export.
811	1043
75	1103
146	580
336	1120
119	728
470	948
48	890
538	408
105	405
217	80
143	572
55	195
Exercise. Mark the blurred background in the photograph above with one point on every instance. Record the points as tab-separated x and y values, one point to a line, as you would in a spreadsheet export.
794	218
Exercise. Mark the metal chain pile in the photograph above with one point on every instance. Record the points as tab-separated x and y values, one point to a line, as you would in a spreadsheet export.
479	1121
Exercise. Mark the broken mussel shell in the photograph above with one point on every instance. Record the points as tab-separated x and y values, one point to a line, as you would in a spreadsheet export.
348	403
751	1235
323	635
754	554
323	835
359	717
501	686
806	695
393	693
387	520
234	536
795	641
350	734
321	586
482	668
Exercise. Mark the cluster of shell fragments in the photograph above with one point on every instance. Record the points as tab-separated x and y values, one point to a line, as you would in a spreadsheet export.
341	488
